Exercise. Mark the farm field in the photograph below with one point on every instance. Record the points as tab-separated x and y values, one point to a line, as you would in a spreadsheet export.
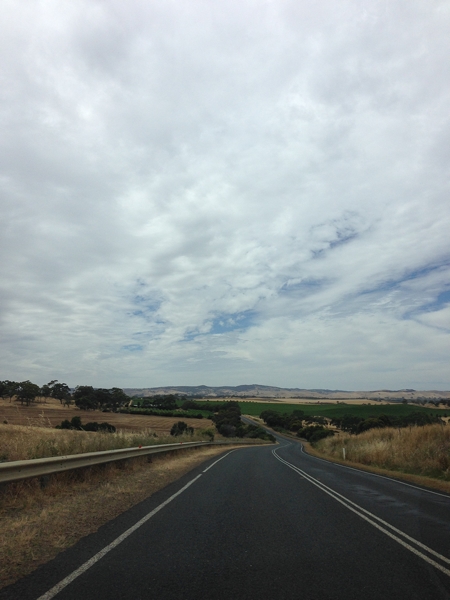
50	413
331	410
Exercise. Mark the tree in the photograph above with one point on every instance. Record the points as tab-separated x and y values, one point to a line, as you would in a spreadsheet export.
102	397
46	390
60	391
168	402
8	389
27	392
86	403
118	397
85	397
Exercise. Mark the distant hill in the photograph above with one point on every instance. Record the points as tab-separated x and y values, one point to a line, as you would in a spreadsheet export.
270	392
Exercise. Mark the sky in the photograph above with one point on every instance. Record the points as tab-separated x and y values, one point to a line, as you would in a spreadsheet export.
225	193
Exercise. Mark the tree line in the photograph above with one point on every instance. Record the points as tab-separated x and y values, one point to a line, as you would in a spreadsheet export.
226	417
353	424
85	397
228	423
313	428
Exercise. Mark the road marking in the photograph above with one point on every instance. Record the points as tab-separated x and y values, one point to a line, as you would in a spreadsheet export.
221	458
372	519
330	462
88	564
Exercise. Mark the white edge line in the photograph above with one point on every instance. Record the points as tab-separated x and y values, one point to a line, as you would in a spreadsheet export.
369	472
371	515
221	458
385	531
88	564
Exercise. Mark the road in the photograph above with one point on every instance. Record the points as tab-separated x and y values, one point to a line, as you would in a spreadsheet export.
264	522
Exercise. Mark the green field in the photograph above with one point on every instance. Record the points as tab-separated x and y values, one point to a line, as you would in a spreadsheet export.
337	410
323	409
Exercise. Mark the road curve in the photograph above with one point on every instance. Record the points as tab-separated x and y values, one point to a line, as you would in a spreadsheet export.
264	522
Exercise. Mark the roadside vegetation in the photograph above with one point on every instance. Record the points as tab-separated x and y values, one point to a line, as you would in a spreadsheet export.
313	427
417	443
76	424
416	450
18	442
228	423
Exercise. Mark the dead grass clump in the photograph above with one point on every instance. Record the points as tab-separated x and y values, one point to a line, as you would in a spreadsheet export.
418	450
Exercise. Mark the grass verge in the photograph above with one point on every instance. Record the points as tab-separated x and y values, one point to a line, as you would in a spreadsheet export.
415	455
21	442
420	455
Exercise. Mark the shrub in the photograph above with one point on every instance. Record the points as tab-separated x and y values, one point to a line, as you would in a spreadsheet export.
207	433
181	428
320	434
314	433
76	424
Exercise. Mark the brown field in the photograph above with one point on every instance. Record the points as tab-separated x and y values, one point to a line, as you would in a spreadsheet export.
49	412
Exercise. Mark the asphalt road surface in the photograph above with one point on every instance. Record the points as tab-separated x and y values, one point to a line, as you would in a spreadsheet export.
260	523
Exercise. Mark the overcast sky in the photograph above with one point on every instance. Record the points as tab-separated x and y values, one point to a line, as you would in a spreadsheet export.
225	192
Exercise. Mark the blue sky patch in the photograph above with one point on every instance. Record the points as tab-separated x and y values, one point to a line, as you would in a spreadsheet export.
307	285
442	300
132	348
231	322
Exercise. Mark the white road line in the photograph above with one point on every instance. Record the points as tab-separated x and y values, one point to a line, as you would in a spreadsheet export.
333	492
88	564
221	458
359	511
416	487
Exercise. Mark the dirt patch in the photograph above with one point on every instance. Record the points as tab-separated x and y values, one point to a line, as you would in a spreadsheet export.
37	523
50	412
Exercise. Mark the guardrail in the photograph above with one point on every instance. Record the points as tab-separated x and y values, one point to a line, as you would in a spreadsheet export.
40	467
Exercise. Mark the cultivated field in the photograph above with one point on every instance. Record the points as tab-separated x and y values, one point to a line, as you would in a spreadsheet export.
50	412
339	409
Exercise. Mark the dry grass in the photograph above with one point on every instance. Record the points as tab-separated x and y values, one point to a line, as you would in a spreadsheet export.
18	442
423	451
37	523
49	412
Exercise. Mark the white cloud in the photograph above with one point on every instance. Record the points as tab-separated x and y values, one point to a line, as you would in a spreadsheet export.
246	191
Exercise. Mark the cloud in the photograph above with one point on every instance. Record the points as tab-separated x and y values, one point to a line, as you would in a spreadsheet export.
246	191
